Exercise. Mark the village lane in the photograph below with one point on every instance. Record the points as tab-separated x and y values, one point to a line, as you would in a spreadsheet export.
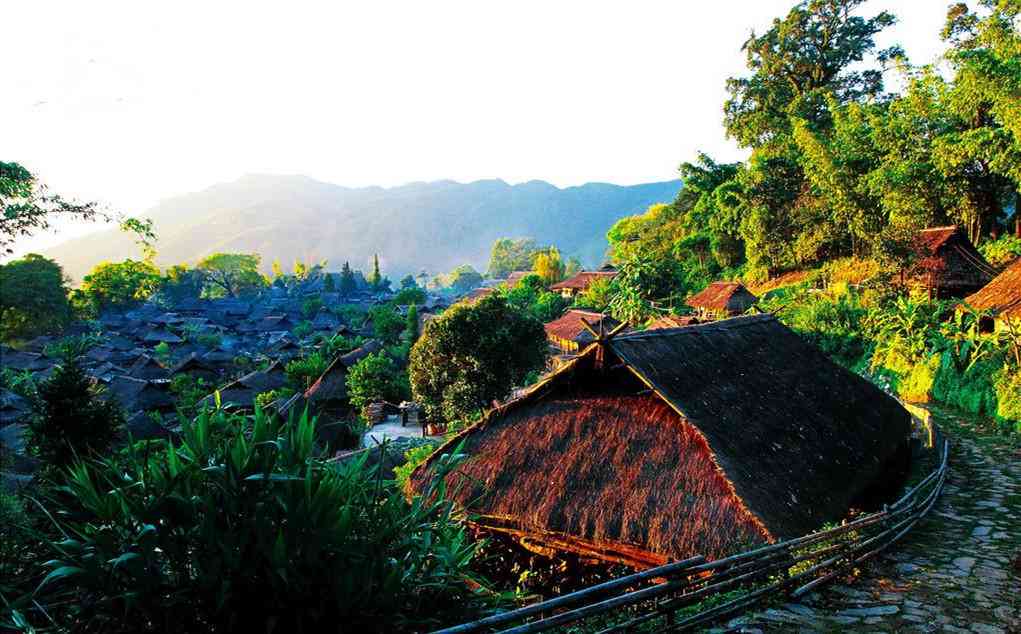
958	571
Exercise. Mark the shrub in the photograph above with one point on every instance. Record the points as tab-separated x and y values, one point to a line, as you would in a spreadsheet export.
70	419
311	306
376	378
1007	383
303	329
189	390
303	372
1002	251
412	458
243	527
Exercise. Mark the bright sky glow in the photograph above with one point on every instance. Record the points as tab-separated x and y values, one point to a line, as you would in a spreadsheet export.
125	103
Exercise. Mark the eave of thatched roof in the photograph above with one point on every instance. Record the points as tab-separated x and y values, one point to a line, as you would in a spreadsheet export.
949	263
1002	295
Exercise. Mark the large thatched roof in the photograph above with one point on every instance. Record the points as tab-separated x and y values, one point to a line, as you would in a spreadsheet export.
699	439
1002	296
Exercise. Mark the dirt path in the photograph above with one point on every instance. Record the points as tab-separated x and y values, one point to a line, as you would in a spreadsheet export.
952	573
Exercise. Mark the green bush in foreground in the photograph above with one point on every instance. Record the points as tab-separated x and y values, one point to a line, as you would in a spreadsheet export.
242	527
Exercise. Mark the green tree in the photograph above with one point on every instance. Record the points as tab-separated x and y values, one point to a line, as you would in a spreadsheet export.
376	278
232	274
408	282
376	378
642	285
180	282
410	295
411	324
119	284
821	53
511	254
329	285
464	278
71	421
277	269
549	266
347	280
387	325
473	354
33	297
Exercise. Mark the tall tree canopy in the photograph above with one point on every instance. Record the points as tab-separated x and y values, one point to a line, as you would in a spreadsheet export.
511	254
118	284
232	274
473	354
33	297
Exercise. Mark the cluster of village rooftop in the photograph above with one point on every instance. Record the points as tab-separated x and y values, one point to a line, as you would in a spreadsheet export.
209	339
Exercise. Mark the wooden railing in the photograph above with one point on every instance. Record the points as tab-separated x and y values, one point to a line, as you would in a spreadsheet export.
676	598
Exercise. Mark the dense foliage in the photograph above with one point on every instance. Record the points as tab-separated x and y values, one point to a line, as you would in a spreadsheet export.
472	355
243	527
376	378
33	298
70	419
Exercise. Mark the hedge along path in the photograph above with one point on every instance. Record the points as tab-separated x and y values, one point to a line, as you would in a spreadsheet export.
954	572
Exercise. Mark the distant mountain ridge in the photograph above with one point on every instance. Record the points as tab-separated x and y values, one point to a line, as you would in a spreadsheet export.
433	226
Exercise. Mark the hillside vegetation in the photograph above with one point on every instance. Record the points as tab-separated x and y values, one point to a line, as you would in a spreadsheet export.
432	226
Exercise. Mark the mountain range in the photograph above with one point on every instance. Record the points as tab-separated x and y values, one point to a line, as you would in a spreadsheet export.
434	226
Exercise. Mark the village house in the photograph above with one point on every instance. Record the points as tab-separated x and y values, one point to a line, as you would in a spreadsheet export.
720	300
579	283
671	321
568	334
948	265
1002	298
659	445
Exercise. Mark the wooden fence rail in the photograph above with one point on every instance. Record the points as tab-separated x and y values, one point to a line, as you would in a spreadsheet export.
789	568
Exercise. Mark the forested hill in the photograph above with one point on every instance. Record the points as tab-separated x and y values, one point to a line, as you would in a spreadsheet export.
435	226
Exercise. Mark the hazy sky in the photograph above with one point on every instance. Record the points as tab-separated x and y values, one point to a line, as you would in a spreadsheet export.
127	104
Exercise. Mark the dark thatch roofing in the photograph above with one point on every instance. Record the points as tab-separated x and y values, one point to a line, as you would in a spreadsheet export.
332	385
583	280
1002	296
729	297
146	367
161	335
241	392
22	360
137	394
948	263
595	456
570	326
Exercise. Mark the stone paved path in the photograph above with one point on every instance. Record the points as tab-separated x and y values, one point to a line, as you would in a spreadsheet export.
954	572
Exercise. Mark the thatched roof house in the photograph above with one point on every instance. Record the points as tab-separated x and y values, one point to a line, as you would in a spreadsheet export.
722	299
662	444
161	335
568	332
328	395
146	368
1002	297
672	321
241	393
580	282
948	265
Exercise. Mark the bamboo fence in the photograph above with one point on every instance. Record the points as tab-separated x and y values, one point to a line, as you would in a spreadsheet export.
676	600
